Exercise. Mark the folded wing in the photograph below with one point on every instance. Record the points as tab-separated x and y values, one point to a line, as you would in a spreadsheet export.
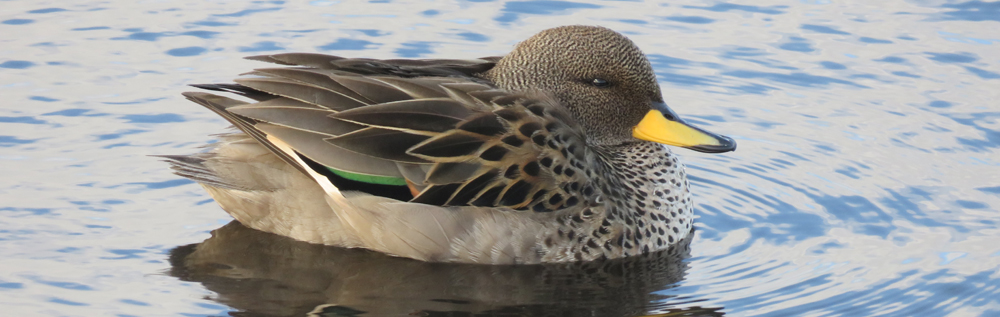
429	123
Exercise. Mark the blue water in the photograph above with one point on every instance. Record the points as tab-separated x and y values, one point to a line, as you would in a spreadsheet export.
867	181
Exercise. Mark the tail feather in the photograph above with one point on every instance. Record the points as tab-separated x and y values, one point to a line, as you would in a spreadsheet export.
193	167
237	89
219	104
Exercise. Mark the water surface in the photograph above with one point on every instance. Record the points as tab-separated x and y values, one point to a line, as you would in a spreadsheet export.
867	181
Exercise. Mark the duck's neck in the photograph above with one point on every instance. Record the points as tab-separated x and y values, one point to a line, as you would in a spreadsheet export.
649	194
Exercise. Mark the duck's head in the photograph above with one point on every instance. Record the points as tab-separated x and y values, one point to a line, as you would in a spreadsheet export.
606	83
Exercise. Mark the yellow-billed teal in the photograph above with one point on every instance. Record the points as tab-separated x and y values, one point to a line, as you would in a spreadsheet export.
551	153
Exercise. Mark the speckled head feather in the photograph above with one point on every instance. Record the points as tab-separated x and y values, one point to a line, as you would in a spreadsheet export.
565	62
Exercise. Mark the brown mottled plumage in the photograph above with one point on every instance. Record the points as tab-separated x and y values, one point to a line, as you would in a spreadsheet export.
543	155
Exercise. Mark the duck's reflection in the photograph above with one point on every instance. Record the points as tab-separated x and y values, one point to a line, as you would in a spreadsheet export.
263	274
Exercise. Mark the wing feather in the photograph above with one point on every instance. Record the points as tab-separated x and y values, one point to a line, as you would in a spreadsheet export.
455	137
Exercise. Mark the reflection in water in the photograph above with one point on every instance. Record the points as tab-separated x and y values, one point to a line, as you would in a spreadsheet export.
265	274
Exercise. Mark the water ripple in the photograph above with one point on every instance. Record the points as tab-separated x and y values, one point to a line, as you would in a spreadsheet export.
865	183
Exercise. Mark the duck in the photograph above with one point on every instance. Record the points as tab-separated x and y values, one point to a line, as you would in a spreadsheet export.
556	152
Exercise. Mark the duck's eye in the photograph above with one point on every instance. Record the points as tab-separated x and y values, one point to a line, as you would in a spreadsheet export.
598	82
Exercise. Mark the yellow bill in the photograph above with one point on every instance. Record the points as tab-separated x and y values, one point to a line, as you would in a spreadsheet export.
662	125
